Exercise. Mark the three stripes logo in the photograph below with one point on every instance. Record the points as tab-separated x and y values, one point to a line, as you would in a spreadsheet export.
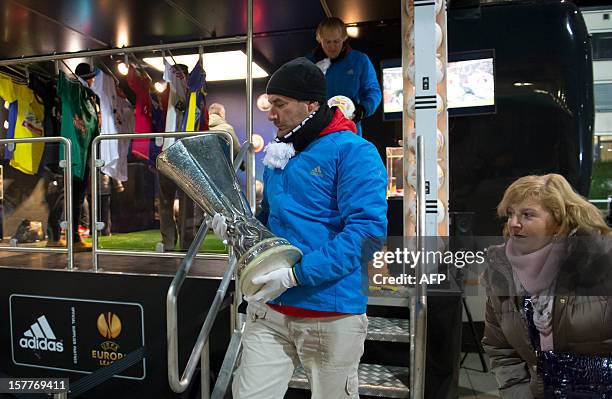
316	171
431	206
420	3
40	336
425	102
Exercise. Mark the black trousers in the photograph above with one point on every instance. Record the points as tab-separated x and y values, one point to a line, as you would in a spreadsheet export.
55	200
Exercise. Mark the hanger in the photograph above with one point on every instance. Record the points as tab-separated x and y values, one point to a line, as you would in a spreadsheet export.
38	70
139	66
201	57
70	70
14	74
108	70
171	56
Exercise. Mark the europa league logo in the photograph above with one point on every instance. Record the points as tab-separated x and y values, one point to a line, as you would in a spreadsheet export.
109	325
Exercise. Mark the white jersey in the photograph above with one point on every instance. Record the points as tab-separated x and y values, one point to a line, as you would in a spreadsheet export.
178	95
112	152
127	124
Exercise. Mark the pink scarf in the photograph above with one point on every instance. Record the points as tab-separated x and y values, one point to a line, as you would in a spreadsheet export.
537	272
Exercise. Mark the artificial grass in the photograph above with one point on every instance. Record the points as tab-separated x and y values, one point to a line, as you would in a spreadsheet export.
146	240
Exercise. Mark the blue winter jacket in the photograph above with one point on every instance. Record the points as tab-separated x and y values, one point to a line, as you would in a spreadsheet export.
353	76
330	202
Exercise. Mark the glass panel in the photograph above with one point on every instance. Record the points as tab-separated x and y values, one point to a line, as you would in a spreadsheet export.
603	97
602	46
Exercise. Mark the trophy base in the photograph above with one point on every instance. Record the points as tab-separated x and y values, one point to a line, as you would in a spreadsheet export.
268	255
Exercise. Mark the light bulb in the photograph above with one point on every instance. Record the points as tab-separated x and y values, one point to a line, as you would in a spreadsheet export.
258	142
161	86
122	68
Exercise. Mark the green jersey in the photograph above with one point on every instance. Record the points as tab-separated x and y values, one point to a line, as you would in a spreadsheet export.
79	122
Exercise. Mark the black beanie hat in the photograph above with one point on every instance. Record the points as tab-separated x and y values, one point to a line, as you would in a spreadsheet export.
84	71
299	79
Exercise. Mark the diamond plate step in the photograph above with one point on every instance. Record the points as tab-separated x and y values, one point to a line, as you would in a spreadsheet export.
386	297
374	380
386	329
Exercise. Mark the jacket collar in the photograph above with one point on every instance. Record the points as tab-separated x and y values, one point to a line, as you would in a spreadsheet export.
339	122
586	269
319	54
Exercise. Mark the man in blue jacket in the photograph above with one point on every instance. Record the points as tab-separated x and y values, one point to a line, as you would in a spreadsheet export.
324	191
348	72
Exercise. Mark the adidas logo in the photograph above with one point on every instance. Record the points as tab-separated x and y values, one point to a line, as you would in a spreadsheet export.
41	336
316	171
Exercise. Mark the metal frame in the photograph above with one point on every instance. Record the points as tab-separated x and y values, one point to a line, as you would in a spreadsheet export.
98	163
250	164
67	224
123	50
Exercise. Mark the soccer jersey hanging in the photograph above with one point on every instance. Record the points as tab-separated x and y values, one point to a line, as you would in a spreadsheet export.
45	91
140	83
6	92
176	99
196	117
28	124
79	122
112	152
158	125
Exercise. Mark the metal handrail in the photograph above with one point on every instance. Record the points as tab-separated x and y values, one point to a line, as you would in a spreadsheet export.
67	224
98	163
201	347
242	154
228	365
180	384
418	310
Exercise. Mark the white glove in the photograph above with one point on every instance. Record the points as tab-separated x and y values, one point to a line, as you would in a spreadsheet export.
219	227
274	284
324	65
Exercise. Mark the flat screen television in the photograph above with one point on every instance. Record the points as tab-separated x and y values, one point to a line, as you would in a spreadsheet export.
470	84
393	85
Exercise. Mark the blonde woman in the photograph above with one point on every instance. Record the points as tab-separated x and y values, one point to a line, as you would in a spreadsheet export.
548	327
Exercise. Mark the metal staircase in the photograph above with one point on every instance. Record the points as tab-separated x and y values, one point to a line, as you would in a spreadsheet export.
376	379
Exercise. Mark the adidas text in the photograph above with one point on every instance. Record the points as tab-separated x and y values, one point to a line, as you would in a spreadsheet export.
42	344
40	335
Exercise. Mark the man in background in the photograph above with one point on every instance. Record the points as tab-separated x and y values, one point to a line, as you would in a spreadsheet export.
216	121
348	72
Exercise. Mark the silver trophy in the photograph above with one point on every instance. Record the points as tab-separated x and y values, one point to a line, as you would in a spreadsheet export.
201	167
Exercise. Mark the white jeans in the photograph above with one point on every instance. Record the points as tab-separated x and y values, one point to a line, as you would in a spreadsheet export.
273	345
